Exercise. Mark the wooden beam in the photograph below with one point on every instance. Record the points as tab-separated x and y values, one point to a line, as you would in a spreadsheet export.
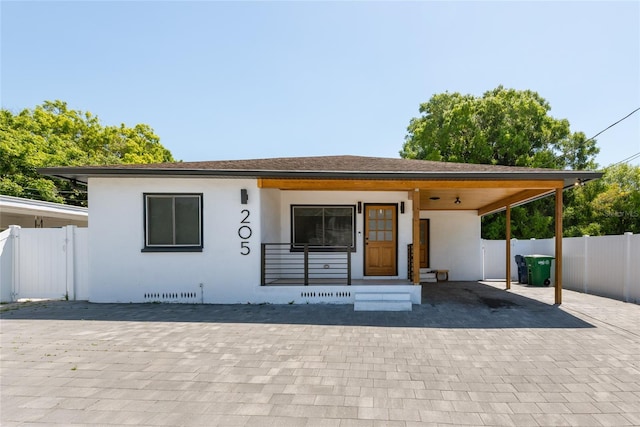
520	197
401	185
508	248
416	237
558	251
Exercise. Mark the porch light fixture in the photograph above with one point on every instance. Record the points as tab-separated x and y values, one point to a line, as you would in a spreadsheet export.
244	196
359	207
579	182
401	207
457	202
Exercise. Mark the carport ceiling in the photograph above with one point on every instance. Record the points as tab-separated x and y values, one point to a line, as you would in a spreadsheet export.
483	200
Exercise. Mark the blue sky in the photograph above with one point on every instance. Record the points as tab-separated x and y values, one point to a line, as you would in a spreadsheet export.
233	80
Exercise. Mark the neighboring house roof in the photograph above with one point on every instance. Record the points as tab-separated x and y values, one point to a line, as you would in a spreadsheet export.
326	167
20	211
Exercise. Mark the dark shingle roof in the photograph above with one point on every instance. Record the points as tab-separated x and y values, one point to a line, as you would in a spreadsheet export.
330	167
355	164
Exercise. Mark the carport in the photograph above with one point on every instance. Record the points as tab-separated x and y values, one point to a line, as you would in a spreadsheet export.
440	186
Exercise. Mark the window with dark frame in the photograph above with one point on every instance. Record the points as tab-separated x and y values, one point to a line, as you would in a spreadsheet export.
322	227
173	222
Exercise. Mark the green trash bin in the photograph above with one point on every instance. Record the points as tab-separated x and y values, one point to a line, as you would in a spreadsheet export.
539	269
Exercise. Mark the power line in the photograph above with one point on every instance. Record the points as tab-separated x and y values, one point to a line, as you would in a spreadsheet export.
628	159
612	125
633	156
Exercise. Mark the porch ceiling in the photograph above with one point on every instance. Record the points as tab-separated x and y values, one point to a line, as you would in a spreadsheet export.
483	196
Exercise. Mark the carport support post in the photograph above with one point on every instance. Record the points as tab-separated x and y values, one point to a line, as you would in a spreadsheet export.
508	247
558	271
416	237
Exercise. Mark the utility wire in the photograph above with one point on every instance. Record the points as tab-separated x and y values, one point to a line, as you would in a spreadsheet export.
631	157
628	159
612	125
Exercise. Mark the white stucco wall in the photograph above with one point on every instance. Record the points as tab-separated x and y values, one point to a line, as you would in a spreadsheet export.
455	243
120	272
270	201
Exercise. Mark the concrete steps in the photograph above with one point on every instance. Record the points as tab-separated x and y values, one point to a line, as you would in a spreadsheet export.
426	275
382	301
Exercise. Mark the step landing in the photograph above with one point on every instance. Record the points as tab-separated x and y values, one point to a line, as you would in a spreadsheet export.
382	301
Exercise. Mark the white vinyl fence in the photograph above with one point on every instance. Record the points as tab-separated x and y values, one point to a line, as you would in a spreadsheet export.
603	265
43	263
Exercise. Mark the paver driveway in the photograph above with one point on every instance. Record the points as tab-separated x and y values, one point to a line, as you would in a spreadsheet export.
470	354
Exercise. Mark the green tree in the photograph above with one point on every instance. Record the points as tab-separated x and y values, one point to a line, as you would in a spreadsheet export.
502	127
534	219
52	134
610	205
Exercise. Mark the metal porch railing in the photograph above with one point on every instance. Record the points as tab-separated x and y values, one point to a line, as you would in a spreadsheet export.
283	264
410	261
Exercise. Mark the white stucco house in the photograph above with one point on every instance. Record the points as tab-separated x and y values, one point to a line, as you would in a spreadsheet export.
292	230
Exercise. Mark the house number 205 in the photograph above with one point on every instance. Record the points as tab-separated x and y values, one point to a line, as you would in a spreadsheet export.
244	232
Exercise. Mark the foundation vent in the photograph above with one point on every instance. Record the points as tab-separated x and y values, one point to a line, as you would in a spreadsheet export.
344	294
178	297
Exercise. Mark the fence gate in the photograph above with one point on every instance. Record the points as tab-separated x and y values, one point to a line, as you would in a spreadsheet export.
43	263
42	267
